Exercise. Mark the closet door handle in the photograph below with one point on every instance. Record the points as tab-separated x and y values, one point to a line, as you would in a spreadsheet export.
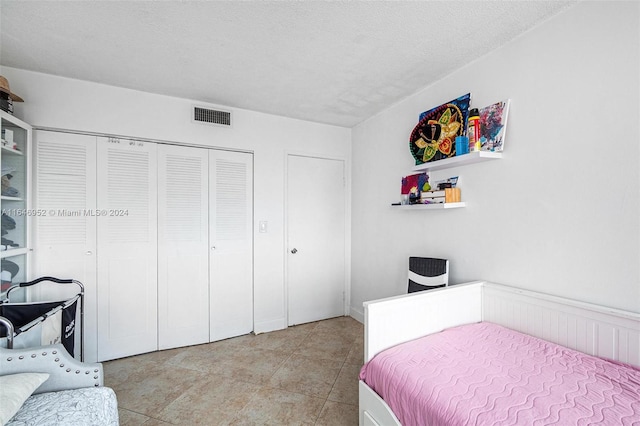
88	253
294	250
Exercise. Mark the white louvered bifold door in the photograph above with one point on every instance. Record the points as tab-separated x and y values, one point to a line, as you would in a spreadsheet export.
183	246
231	240
64	239
127	248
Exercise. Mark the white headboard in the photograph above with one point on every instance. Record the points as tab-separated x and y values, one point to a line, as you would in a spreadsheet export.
589	328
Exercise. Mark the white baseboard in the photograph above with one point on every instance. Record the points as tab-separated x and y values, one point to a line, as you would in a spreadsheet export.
357	314
270	325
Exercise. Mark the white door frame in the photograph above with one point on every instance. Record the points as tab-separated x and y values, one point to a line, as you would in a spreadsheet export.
347	229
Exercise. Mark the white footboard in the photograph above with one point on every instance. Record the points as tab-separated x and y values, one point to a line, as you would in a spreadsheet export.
388	322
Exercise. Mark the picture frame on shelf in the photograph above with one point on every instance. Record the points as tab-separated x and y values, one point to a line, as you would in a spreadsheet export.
493	126
433	138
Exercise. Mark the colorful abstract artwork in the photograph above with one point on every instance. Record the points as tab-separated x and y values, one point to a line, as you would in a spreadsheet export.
493	125
434	137
415	183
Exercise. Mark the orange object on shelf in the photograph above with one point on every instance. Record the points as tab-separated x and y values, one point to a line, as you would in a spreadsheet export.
452	195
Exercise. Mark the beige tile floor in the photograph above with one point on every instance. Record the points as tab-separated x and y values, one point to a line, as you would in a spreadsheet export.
304	375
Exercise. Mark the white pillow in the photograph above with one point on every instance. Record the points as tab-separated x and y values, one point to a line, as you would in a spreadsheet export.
14	391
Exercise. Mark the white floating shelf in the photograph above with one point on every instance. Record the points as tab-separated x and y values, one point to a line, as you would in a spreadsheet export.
459	160
13	252
7	198
11	150
430	206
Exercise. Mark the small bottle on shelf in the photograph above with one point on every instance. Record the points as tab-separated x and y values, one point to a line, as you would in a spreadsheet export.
473	131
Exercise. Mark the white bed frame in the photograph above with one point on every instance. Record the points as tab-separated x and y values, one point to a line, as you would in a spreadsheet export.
589	328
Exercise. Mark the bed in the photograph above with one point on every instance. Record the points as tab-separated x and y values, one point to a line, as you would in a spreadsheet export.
561	354
46	386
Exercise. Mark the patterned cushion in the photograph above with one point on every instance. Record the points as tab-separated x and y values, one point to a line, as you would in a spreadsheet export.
81	407
15	389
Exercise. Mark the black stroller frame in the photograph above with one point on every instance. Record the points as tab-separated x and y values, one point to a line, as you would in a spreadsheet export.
30	314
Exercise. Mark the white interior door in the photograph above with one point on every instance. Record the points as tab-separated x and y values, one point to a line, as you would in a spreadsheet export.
65	235
183	248
315	238
231	241
127	248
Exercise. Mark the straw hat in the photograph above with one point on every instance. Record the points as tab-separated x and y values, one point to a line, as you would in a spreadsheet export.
4	87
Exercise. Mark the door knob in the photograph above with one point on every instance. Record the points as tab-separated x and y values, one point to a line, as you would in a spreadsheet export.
294	250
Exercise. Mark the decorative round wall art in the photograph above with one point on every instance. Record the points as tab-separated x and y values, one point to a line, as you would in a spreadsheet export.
434	137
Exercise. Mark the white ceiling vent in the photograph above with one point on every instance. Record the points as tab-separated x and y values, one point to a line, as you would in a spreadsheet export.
211	116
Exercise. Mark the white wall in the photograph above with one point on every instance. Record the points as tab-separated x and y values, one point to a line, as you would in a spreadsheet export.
560	212
56	102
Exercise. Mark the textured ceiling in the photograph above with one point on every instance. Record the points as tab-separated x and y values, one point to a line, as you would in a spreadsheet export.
332	62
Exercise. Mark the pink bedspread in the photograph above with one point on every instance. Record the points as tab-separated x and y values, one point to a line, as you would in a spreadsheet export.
485	374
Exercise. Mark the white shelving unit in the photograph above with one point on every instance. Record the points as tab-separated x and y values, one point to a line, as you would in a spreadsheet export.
460	160
11	151
16	199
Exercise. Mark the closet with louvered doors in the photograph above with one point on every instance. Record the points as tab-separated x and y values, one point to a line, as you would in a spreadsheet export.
64	244
162	239
127	247
183	246
231	240
205	245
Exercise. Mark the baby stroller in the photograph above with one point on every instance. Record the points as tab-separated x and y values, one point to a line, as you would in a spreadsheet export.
30	324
